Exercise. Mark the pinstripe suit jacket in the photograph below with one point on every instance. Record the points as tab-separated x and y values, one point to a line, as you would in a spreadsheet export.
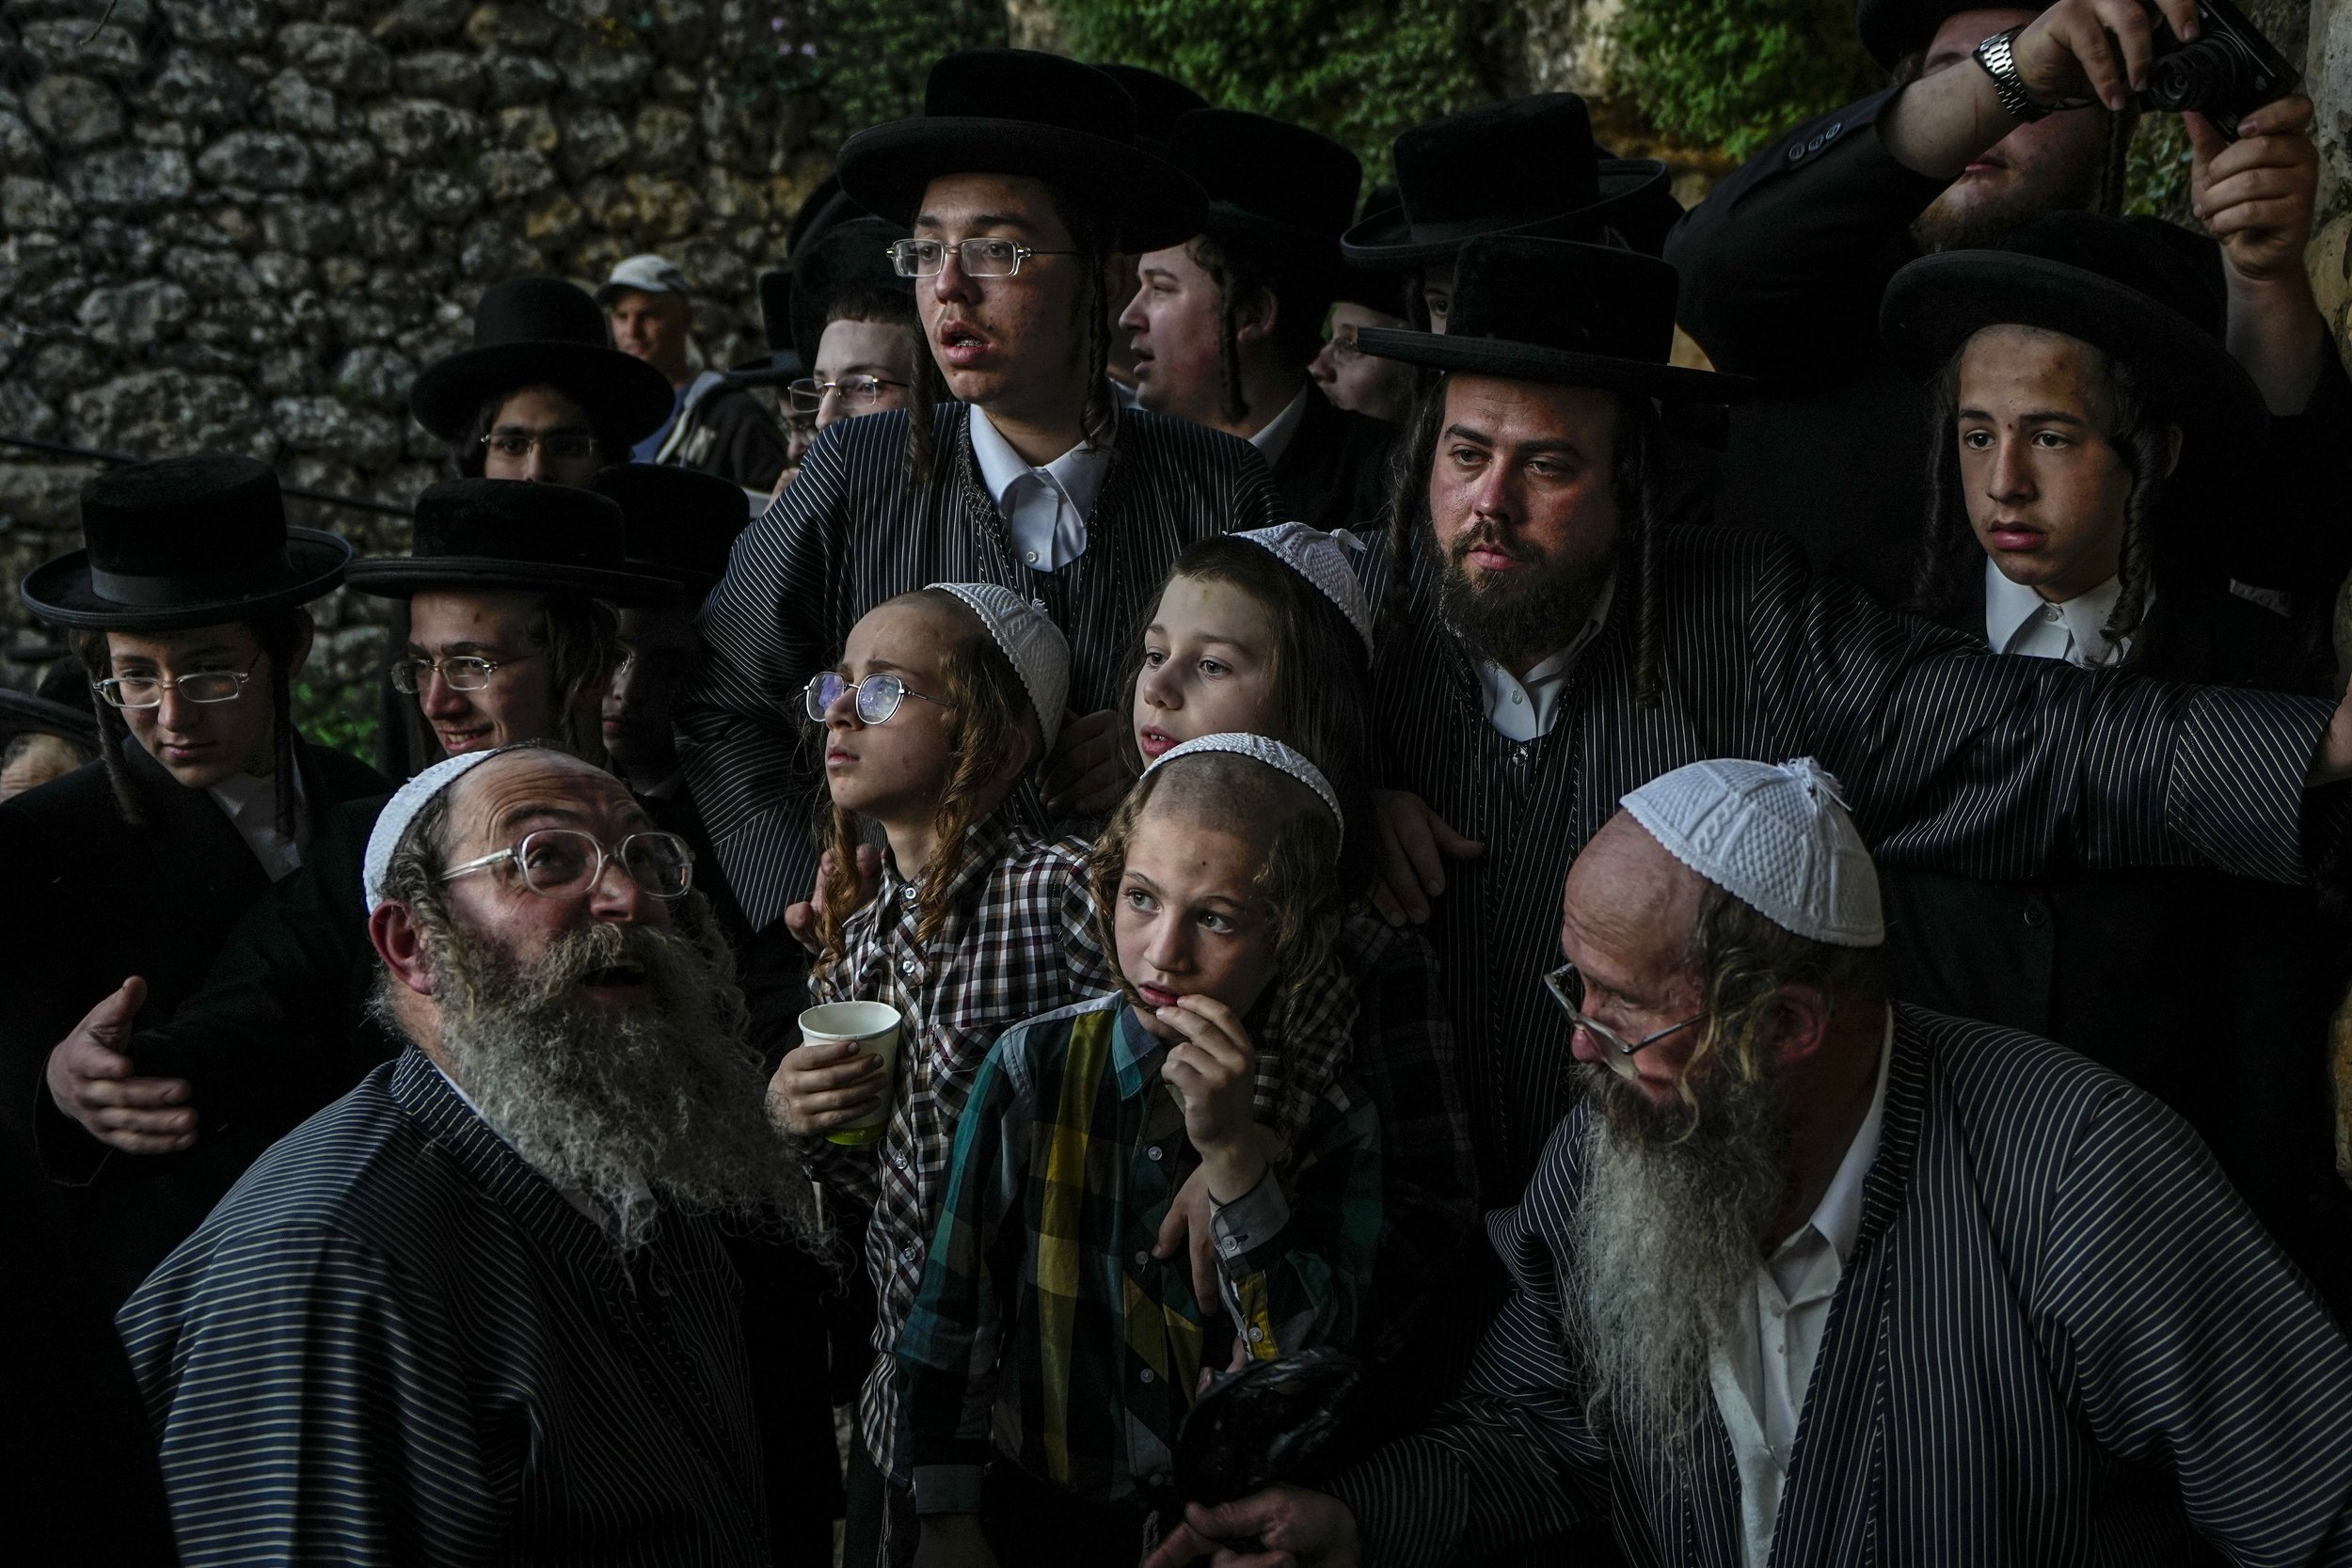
1953	760
848	533
2061	1339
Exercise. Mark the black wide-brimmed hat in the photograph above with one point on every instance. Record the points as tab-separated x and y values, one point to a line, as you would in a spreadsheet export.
183	542
2118	284
510	535
1892	28
1530	309
780	363
1015	110
1273	183
541	331
60	706
676	523
1523	165
1383	288
848	257
1160	102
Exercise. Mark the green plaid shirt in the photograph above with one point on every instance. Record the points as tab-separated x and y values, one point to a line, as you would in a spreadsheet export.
1047	1333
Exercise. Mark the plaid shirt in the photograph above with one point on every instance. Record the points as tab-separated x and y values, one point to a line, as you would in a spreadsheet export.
1046	1331
1018	941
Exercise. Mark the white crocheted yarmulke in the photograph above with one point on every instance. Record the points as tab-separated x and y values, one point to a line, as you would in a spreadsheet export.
1319	557
1776	838
1259	748
391	823
1039	653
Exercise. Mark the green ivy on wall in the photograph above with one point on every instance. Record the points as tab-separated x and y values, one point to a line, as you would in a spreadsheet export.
1358	71
1735	73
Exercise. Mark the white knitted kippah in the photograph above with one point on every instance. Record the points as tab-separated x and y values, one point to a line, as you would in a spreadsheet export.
1317	557
391	824
1776	838
1039	653
1272	753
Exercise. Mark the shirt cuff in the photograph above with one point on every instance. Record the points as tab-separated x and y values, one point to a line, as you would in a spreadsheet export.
1250	1222
947	1488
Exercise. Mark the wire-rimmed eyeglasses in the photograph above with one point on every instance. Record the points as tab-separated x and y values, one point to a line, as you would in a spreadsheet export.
878	696
563	863
858	392
146	691
981	256
465	672
564	446
1567	989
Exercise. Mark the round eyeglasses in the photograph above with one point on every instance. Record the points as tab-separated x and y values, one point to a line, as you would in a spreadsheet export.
858	392
466	673
564	862
146	691
878	696
978	257
1567	989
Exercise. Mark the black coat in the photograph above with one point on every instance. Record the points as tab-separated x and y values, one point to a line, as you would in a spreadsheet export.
1782	267
1334	474
95	900
730	434
2211	991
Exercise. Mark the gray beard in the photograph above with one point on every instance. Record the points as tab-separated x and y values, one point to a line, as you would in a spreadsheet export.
1666	1240
664	1099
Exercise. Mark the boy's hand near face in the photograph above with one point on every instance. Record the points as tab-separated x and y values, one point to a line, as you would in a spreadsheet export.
1213	1070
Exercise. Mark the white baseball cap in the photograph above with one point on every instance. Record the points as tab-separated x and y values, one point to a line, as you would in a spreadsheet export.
647	275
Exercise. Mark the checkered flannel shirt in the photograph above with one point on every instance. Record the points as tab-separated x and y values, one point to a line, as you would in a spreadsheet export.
1046	1331
1018	941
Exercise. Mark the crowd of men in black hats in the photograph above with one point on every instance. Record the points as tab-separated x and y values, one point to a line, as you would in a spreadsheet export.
1266	886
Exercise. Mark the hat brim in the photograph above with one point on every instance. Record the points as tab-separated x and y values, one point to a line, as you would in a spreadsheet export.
22	713
1391	240
625	397
775	369
1560	367
1936	304
399	576
60	591
1151	202
1311	254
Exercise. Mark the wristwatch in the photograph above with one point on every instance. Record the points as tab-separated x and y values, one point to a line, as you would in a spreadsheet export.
2000	64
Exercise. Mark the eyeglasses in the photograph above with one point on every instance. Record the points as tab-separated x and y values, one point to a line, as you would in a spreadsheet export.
878	696
858	390
146	691
564	446
563	863
1567	989
978	257
1344	347
466	673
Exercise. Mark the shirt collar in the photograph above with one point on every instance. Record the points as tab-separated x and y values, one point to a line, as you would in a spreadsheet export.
1538	708
1135	1052
1076	473
1837	1218
1274	438
2012	611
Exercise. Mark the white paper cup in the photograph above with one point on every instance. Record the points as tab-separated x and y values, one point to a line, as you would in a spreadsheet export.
874	1028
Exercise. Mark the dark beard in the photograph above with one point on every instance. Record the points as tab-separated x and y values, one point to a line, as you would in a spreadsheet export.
662	1098
1519	620
1667	1239
1979	225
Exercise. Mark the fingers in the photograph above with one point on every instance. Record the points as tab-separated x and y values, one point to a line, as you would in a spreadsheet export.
146	1143
1398	893
2290	115
829	1084
142	1094
801	921
869	868
1450	842
1212	1024
1385	902
160	1124
1207	1286
1179	1215
1100	788
1185	1546
2205	145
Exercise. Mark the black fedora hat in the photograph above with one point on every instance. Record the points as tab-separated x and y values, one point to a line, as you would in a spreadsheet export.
847	258
676	523
1271	182
183	542
534	331
60	705
1892	28
509	535
1530	309
1016	111
1523	165
2120	284
1383	288
1160	102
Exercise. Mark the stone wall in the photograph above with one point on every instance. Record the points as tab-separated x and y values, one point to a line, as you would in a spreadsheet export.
2328	78
246	224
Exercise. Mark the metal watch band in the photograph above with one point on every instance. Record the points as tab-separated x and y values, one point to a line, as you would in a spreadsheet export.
2000	64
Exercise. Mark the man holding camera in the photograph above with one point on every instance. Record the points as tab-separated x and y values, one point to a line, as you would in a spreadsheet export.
1999	115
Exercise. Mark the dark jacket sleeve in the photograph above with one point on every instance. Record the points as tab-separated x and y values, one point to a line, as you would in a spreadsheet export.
747	448
1784	263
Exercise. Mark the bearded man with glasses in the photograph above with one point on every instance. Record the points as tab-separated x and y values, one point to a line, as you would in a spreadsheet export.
1012	463
481	1308
185	605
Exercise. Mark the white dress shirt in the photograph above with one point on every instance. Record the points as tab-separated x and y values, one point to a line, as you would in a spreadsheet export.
1045	508
1760	1377
1524	708
250	804
1274	438
2019	621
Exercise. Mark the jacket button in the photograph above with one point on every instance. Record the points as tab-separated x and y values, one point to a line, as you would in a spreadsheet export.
1796	152
2035	916
1814	145
1835	126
